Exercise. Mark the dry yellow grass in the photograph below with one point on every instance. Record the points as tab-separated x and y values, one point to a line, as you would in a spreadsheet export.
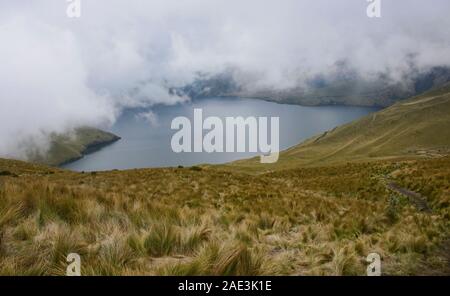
309	221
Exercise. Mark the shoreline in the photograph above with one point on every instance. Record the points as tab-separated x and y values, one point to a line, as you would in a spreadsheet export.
90	148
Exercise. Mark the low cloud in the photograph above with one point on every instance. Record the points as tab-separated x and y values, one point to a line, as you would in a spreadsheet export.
149	116
57	73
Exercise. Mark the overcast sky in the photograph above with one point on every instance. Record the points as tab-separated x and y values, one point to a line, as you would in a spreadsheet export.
58	72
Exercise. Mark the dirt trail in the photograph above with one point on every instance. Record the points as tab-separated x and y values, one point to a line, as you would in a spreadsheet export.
415	198
443	251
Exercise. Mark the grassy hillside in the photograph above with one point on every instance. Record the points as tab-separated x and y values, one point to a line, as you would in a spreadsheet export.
204	221
70	147
417	127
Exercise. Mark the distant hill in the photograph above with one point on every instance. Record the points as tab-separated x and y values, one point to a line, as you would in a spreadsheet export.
344	87
71	147
417	127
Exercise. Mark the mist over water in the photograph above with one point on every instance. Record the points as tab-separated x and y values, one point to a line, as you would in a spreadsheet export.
146	134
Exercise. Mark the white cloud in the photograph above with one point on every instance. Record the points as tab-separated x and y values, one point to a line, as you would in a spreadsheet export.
56	72
43	85
149	116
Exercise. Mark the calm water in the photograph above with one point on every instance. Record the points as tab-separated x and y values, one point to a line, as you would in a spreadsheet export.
146	143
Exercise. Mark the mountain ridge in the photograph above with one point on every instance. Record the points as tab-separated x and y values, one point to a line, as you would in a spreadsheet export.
343	88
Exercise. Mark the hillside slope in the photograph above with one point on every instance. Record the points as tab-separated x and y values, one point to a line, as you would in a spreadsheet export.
204	221
70	147
419	126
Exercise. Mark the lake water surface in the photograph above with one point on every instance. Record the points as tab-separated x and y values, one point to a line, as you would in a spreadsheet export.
146	143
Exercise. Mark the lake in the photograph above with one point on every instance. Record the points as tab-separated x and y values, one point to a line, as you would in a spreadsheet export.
146	133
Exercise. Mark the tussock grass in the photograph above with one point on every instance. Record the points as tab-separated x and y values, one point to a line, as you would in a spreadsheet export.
215	259
310	221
